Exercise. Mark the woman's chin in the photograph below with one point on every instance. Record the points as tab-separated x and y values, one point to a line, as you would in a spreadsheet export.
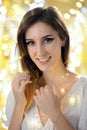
44	69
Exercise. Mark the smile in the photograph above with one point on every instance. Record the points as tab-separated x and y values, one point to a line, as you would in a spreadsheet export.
44	60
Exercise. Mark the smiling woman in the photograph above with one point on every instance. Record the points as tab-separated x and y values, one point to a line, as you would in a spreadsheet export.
46	95
41	40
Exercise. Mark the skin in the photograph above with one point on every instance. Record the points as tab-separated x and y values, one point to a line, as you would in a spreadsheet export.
18	85
41	43
44	48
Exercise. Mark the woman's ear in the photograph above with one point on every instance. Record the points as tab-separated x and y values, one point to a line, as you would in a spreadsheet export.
64	41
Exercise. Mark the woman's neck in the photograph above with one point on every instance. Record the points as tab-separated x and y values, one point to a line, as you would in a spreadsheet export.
62	79
56	76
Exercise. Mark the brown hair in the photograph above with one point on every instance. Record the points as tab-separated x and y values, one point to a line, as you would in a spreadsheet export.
48	15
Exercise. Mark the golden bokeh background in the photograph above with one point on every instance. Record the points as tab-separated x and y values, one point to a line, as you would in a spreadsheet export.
11	13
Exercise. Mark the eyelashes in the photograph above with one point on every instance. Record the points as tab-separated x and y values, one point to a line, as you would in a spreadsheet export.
44	41
48	40
30	42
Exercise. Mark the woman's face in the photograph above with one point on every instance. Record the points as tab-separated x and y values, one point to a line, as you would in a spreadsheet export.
44	46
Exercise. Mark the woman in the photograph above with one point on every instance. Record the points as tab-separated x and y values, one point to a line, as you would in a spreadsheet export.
46	96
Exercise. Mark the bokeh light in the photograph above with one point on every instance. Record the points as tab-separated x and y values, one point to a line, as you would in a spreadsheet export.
11	13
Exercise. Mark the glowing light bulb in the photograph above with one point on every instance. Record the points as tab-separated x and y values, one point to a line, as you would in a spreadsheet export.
79	4
4	47
72	11
71	100
26	1
67	16
62	90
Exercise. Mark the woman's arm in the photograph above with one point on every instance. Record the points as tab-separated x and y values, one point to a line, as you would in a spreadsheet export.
18	86
60	122
49	104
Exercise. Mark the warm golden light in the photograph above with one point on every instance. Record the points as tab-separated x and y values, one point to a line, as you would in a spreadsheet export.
67	16
11	13
62	90
79	4
72	11
71	100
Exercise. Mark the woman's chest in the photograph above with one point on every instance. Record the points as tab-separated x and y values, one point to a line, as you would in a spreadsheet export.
37	120
71	107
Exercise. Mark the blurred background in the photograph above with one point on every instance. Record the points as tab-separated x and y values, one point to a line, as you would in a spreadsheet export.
11	13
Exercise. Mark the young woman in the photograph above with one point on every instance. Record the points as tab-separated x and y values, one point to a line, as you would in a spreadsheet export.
46	95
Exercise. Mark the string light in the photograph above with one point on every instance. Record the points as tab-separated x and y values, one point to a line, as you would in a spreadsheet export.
72	11
62	91
10	17
27	2
4	47
79	4
84	10
67	16
71	100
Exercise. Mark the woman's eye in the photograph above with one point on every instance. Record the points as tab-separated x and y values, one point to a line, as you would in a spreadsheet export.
47	40
30	43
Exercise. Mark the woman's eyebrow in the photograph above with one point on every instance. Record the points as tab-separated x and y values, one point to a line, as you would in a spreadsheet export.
29	39
46	36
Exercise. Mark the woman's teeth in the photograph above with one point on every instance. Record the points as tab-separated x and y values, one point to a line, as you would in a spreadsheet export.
45	59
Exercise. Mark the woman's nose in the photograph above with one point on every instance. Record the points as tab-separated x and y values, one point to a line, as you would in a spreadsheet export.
40	50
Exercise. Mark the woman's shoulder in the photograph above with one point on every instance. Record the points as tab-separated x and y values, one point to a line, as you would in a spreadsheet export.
82	80
80	85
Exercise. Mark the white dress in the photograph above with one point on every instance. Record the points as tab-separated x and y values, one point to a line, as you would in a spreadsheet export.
73	106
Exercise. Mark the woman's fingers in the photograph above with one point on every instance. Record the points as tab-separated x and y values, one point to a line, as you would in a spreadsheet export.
18	86
21	78
24	83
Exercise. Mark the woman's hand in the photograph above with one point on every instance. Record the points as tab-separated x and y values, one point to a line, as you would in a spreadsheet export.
18	86
47	101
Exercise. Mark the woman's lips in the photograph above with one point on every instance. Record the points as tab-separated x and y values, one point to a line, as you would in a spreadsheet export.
44	60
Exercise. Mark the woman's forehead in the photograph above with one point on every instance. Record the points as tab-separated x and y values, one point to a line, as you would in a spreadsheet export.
40	29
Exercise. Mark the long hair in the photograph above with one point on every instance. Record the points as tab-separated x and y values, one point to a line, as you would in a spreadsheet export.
52	17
